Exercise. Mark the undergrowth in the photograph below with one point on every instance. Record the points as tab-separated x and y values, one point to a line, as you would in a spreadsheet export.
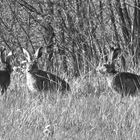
89	112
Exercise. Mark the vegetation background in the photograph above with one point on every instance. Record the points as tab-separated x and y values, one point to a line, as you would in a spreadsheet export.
77	36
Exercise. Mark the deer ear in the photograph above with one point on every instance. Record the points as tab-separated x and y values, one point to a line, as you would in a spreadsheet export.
3	55
10	53
38	52
27	54
8	57
114	54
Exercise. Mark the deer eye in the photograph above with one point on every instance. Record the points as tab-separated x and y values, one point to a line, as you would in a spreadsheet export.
105	65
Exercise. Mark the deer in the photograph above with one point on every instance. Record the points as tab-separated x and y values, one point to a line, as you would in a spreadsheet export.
5	74
39	80
123	83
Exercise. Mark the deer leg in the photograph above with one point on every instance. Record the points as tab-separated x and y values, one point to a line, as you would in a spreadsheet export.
2	90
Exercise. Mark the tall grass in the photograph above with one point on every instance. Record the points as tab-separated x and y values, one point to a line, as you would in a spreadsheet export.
89	112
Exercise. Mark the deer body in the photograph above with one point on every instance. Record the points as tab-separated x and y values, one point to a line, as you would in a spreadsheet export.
4	81
6	73
124	83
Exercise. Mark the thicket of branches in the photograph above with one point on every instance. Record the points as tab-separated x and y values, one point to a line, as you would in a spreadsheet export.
77	34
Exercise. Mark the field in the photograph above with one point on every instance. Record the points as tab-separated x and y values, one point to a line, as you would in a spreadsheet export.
76	37
89	112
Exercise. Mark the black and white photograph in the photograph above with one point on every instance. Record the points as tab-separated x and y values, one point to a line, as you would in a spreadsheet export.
69	69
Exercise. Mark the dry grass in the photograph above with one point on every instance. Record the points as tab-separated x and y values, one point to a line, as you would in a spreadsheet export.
90	112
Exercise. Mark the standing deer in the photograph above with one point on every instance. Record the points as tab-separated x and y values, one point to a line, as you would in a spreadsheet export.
124	83
6	72
39	80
